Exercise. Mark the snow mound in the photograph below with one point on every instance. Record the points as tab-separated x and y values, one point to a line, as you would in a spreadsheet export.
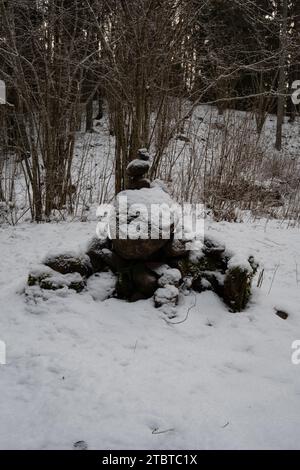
101	286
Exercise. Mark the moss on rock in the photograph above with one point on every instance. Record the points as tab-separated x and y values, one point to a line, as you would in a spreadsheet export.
69	263
212	270
237	288
52	281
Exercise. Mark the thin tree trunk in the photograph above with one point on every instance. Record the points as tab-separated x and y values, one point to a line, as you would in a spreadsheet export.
89	116
282	76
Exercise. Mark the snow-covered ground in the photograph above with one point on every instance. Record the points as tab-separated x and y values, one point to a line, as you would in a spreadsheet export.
117	375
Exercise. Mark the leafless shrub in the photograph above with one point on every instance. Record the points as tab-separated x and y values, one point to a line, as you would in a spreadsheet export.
93	172
223	162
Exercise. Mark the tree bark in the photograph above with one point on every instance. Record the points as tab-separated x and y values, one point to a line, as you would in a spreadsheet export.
282	75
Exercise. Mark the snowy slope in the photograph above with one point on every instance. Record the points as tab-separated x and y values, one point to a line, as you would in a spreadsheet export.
117	375
93	174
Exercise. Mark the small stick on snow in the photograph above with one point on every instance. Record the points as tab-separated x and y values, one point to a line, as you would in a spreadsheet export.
273	278
260	278
157	431
297	279
225	425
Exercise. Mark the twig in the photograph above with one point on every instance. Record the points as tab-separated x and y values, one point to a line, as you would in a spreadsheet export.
20	217
156	431
273	278
260	278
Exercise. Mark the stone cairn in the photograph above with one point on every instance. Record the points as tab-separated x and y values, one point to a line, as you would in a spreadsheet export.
137	169
145	268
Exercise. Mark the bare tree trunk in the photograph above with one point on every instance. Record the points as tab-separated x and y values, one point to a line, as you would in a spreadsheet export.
89	116
282	75
100	105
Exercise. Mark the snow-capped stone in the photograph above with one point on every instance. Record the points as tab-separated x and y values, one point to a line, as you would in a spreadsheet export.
143	154
137	168
143	222
95	253
70	263
166	295
170	277
48	279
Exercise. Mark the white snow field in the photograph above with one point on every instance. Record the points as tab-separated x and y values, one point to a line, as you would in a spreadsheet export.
117	375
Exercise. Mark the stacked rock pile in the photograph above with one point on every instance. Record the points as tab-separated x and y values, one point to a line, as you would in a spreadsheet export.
137	170
144	268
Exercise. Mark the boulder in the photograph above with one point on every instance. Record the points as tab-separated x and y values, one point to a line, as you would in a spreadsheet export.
143	154
95	253
175	249
228	276
125	287
165	296
69	263
237	288
137	249
137	168
115	262
141	231
144	280
48	279
281	314
169	276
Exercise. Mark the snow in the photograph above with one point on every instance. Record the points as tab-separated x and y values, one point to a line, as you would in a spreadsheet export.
57	279
170	276
157	183
101	286
110	372
240	261
138	164
166	294
146	196
144	205
90	368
